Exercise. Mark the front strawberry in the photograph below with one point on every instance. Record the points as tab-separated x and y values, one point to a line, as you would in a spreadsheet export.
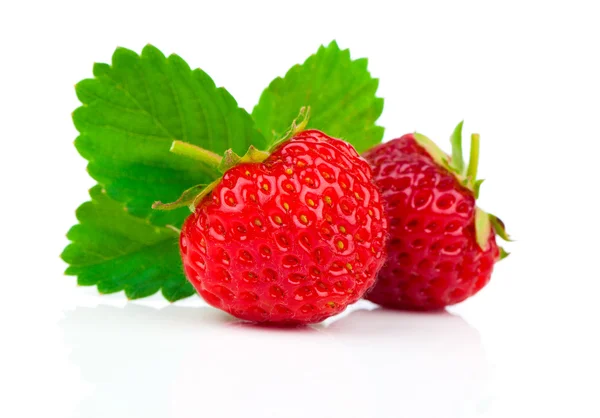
442	248
291	239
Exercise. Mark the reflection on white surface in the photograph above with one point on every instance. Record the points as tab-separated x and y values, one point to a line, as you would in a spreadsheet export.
198	362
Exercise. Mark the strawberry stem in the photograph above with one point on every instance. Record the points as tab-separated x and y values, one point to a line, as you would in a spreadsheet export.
473	159
199	154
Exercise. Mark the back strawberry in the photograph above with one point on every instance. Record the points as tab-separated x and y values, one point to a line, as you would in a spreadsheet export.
434	257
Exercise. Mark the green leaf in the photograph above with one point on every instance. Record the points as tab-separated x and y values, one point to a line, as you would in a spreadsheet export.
477	187
116	251
500	228
457	162
482	228
503	253
132	112
432	149
339	91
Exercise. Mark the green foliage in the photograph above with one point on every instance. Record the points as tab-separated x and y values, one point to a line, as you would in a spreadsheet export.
117	251
339	91
132	112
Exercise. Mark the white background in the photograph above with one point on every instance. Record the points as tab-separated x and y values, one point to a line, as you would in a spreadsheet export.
524	74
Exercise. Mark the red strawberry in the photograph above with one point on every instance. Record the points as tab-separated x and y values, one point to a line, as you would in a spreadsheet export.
293	239
441	248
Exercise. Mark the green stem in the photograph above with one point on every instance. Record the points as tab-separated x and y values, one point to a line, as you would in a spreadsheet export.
473	158
196	153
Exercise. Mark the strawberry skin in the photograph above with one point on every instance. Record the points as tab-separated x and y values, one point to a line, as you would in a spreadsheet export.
433	258
291	240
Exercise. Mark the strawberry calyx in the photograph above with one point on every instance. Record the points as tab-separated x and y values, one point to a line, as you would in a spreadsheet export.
467	176
220	164
298	125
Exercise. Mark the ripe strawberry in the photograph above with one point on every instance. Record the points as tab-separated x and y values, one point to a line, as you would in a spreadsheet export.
292	239
442	248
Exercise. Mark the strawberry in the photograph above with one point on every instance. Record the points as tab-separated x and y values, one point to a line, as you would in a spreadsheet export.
292	237
442	247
